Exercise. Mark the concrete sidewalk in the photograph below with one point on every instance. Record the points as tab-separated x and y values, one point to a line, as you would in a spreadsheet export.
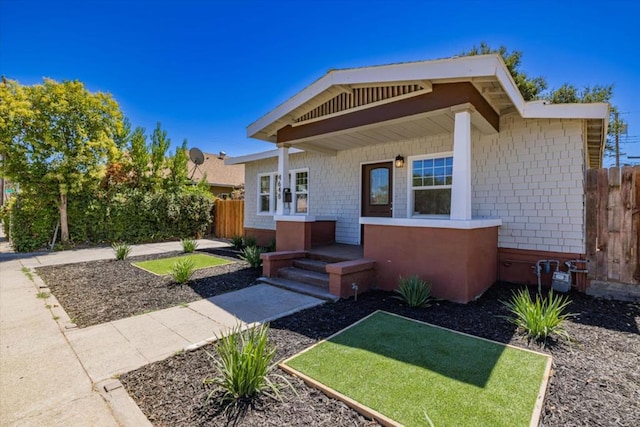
39	259
113	348
42	382
54	374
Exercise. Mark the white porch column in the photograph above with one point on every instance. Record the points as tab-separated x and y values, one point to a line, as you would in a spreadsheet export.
461	185
282	181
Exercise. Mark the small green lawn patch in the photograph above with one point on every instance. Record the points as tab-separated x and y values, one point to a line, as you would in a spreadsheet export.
163	266
413	372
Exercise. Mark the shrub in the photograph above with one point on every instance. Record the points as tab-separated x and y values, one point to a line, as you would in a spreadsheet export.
251	254
5	216
131	215
251	241
414	291
237	241
32	222
181	271
121	250
245	359
540	318
189	245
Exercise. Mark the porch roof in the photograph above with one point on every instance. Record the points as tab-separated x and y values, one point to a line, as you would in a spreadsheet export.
327	115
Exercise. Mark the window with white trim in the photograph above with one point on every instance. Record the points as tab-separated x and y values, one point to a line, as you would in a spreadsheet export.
266	196
300	184
430	184
267	192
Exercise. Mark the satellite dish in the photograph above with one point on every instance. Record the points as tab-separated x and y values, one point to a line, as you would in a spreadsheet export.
196	156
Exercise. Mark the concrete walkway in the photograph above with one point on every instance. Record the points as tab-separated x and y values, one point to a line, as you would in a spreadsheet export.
54	374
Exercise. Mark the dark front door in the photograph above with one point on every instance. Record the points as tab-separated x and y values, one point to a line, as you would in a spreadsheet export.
377	189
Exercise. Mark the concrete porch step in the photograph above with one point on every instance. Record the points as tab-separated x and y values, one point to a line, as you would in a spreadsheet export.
310	264
302	288
305	276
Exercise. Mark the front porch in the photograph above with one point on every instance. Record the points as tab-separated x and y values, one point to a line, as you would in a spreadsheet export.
459	260
410	212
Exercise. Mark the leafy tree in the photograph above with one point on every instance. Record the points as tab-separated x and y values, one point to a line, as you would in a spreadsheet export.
178	165
139	157
158	151
533	88
54	137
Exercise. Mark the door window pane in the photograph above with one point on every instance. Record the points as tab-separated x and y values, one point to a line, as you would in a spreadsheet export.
379	184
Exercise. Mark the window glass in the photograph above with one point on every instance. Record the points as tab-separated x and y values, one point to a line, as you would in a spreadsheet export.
265	184
301	203
264	201
431	185
301	191
432	202
379	193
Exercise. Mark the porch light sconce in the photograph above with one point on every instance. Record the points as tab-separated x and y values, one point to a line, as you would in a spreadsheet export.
399	161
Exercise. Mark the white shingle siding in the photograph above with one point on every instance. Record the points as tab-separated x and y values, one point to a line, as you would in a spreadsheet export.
530	175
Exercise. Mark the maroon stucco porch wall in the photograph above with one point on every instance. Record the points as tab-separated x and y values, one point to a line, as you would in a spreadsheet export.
459	264
302	236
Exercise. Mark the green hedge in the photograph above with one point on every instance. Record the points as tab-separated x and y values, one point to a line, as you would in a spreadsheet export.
32	223
129	216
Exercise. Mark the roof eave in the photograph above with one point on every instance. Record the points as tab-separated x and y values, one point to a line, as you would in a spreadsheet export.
542	110
442	69
239	160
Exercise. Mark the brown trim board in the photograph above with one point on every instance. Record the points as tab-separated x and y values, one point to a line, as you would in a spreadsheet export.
442	96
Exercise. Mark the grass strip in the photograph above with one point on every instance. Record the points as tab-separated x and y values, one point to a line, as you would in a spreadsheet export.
162	266
413	372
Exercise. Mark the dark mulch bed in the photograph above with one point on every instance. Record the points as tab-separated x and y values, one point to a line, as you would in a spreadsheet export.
595	382
101	291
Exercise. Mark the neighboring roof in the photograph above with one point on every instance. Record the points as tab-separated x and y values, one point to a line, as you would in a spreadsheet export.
488	73
218	172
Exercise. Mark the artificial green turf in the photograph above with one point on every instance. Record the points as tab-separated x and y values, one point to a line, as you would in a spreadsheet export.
163	266
406	369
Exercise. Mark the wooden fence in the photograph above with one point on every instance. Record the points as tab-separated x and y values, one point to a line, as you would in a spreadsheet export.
229	218
613	224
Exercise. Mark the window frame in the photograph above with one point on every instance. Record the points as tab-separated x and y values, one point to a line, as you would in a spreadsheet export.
272	201
411	188
294	193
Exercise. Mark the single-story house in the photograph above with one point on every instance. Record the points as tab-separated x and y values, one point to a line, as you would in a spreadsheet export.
434	168
223	179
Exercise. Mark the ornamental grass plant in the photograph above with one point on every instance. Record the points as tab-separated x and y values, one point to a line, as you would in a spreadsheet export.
243	364
541	318
121	250
182	270
251	254
414	291
189	245
237	242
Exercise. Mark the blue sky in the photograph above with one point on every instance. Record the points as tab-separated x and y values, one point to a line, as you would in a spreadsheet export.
207	69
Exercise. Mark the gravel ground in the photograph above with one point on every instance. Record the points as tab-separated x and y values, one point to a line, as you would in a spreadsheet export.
101	291
595	381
